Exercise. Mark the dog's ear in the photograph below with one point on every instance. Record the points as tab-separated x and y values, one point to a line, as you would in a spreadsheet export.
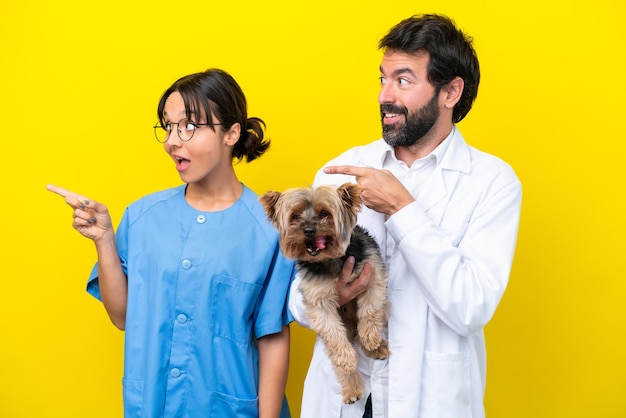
350	194
269	201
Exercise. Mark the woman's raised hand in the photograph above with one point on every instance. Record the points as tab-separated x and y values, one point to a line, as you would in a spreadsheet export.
91	218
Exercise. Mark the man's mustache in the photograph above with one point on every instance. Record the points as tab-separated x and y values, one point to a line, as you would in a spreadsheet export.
389	108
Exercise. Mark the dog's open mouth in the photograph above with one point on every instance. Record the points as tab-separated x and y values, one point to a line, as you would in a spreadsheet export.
315	246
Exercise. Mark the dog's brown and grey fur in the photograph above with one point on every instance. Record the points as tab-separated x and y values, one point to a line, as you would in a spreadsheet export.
317	228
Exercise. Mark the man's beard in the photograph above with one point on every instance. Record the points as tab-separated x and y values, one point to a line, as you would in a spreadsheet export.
417	123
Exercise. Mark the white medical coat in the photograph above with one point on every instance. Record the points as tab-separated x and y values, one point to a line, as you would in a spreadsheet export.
454	250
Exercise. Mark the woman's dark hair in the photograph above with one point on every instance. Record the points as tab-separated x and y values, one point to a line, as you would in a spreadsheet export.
214	92
451	54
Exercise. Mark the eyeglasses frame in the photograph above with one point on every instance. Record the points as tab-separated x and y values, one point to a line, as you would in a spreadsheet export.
159	125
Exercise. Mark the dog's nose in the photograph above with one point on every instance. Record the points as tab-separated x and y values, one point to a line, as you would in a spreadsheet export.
309	232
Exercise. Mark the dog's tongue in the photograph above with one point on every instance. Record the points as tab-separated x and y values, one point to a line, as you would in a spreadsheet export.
320	243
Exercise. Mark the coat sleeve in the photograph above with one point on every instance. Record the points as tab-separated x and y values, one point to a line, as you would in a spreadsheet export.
296	303
463	273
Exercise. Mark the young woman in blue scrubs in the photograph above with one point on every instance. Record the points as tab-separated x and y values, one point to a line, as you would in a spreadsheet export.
194	274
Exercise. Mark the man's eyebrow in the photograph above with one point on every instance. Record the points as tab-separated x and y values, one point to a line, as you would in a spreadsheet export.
399	71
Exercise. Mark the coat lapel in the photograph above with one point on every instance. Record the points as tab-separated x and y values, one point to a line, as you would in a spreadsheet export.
434	195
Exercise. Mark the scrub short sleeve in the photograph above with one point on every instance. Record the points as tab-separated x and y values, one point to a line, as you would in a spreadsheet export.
121	241
273	312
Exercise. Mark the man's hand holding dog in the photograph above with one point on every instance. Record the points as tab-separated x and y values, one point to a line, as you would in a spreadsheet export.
382	192
346	290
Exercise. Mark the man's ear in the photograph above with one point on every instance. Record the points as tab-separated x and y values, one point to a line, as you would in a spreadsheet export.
452	92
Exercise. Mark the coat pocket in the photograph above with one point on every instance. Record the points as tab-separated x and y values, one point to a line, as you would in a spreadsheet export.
446	389
233	304
223	406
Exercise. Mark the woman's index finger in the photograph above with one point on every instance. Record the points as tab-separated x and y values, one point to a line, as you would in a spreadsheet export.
62	192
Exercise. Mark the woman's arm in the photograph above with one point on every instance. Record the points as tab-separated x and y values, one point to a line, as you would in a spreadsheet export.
112	281
93	221
273	368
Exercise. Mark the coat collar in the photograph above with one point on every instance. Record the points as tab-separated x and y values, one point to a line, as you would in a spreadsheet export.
453	159
452	154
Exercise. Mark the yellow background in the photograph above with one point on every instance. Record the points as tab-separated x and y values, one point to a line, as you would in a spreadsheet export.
80	84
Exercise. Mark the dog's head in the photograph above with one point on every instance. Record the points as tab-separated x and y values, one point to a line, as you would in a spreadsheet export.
314	224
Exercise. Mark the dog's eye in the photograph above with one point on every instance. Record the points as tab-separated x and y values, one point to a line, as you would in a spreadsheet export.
323	214
295	217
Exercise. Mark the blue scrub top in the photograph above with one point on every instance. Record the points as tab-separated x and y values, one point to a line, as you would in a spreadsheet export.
202	287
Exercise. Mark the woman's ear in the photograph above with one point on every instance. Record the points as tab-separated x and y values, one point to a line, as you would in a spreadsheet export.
452	92
233	134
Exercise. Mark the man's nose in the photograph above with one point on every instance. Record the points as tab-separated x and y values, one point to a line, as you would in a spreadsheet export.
386	94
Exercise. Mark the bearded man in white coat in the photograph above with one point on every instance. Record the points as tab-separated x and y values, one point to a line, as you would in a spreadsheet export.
445	216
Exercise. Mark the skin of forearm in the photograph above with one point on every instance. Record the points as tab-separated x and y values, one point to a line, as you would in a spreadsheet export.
273	368
112	281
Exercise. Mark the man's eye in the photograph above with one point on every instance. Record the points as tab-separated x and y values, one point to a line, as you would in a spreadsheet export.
403	81
382	80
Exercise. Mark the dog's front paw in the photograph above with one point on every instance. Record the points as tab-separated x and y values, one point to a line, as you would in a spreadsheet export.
351	397
345	360
370	339
381	352
352	391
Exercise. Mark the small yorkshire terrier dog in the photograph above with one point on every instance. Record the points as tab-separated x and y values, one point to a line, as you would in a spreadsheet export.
317	228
